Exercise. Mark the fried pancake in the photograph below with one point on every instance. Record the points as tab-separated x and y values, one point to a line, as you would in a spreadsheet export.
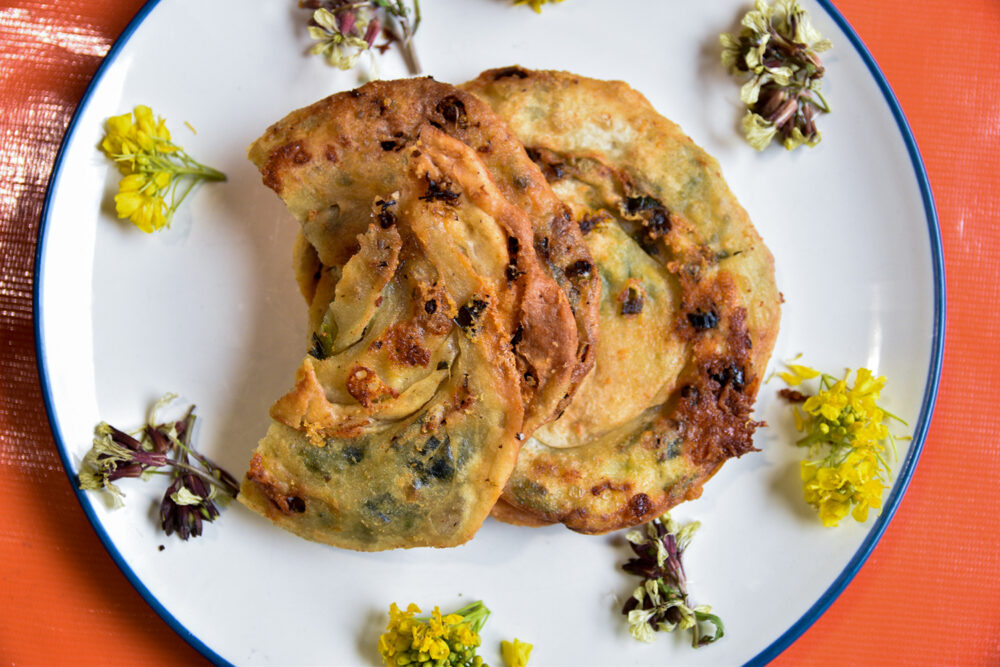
329	160
405	420
689	308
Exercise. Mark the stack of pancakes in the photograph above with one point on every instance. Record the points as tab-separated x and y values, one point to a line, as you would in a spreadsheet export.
530	295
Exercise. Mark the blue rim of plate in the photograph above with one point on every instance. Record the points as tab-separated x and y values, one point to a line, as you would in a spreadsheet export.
825	600
933	371
43	371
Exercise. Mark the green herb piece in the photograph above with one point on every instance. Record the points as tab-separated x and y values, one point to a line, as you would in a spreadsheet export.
660	602
322	340
435	639
845	430
163	448
344	29
516	653
777	48
154	168
535	4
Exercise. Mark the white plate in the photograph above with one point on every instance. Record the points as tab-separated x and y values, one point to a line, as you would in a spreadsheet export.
210	309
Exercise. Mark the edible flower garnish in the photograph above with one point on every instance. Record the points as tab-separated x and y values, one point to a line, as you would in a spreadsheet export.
845	432
777	47
435	639
660	602
535	4
516	653
344	29
153	167
163	448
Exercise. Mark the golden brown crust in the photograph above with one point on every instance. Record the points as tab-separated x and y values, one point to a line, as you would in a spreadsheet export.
378	450
401	428
504	511
380	120
689	300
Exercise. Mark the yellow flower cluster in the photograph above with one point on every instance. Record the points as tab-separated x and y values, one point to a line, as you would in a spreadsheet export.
152	166
130	137
437	640
140	199
535	4
847	420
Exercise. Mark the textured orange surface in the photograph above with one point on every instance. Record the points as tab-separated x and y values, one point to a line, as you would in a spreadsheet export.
930	593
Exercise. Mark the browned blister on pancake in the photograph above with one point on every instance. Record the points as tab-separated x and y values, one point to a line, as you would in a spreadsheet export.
329	160
689	308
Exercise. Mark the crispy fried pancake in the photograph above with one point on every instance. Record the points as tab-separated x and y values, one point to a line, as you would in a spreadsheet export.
403	424
689	307
327	162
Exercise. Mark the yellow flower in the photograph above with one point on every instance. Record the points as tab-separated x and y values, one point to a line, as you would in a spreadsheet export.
867	495
867	385
535	4
129	135
859	466
466	635
120	140
828	403
438	649
832	510
516	653
798	374
829	479
848	422
399	640
139	199
452	638
153	167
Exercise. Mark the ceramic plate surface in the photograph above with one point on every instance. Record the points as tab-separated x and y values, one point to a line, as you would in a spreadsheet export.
210	310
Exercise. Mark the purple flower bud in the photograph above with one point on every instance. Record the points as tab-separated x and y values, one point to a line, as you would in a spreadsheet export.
149	459
186	520
161	443
770	100
124	439
347	22
127	470
168	510
194	521
373	30
785	112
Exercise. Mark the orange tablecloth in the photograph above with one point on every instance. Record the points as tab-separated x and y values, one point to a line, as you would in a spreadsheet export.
930	592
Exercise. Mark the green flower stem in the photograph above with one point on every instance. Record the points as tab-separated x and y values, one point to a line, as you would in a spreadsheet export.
823	105
175	201
410	56
410	53
195	471
397	10
188	166
475	614
699	639
183	449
